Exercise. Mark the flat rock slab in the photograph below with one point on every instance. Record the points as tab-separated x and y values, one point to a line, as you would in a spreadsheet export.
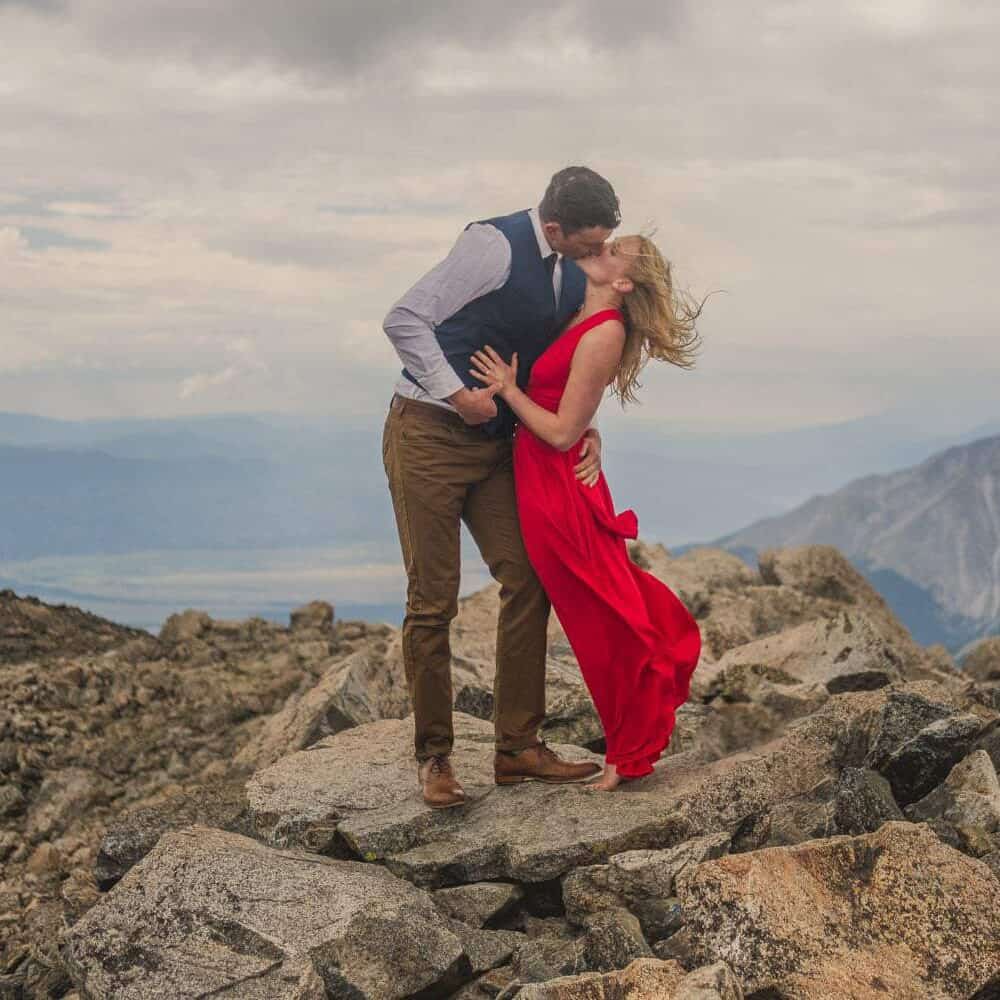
220	804
211	913
357	791
894	913
845	653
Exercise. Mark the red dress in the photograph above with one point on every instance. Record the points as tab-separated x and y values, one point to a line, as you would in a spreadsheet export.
636	643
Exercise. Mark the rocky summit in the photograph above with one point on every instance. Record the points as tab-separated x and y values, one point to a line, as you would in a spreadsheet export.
231	809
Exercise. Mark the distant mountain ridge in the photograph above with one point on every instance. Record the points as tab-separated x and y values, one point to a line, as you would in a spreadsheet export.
230	493
928	537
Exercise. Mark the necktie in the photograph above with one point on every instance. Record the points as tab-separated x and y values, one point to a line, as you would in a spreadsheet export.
550	267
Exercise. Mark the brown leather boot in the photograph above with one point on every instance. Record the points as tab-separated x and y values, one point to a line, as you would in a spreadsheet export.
539	763
437	781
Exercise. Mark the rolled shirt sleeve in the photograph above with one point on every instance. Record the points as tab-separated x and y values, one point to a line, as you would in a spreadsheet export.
478	263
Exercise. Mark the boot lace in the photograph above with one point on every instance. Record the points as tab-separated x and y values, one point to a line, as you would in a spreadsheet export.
440	764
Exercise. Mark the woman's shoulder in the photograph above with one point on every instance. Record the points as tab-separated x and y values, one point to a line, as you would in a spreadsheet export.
601	343
604	319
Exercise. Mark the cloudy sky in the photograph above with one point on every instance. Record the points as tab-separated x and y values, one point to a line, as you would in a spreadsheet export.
210	206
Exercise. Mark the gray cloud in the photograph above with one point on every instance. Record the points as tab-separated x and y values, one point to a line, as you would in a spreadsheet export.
290	172
331	38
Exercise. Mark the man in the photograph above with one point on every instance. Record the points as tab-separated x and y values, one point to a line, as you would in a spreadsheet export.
447	448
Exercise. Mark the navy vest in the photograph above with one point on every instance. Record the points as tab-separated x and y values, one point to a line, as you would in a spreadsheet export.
520	316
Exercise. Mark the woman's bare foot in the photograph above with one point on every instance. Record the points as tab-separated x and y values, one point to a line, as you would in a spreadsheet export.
608	781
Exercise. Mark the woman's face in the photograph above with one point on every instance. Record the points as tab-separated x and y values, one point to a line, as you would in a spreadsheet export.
613	262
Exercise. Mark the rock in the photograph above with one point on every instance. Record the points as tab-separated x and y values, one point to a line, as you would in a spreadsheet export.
643	979
613	939
825	575
487	986
989	990
992	861
823	918
12	801
923	761
700	570
184	626
44	858
364	686
679	947
486	949
723	727
989	740
545	958
842	654
968	800
987	695
797	818
536	927
138	715
641	882
31	629
530	832
479	903
819	570
862	802
78	893
220	804
206	910
472	698
735	605
64	795
8	757
316	616
982	663
9	842
711	982
904	714
570	715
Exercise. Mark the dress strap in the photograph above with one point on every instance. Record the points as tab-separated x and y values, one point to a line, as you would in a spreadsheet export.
599	317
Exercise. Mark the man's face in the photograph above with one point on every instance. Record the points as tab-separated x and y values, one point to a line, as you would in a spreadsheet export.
582	243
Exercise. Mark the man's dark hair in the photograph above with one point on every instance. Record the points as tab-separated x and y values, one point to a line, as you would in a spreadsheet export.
578	198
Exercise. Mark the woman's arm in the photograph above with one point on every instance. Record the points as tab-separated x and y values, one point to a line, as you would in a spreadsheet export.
595	361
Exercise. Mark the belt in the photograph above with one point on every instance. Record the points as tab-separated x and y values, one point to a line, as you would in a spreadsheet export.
428	410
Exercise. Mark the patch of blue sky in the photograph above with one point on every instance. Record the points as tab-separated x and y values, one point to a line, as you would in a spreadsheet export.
60	204
39	238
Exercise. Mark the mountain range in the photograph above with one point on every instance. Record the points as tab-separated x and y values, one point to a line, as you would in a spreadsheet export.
928	537
248	503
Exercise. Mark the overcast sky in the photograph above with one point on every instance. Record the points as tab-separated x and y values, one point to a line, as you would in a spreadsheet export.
210	207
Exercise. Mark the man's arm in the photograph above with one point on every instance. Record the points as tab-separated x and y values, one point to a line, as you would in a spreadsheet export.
595	361
588	469
478	263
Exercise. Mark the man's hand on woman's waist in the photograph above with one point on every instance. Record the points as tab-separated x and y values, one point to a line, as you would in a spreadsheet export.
475	406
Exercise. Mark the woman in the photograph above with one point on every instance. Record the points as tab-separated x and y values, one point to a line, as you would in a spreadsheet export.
636	643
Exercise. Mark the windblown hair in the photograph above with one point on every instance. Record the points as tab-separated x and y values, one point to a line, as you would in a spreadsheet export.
659	320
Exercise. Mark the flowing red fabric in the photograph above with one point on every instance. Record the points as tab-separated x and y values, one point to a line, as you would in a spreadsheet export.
636	643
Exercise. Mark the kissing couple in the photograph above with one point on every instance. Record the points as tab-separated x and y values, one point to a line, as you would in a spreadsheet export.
508	346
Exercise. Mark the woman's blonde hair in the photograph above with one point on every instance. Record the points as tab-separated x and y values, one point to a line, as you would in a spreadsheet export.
659	319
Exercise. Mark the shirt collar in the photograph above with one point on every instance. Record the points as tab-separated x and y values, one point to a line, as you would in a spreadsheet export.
543	244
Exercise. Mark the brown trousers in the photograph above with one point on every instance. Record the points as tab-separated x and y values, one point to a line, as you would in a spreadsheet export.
441	472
